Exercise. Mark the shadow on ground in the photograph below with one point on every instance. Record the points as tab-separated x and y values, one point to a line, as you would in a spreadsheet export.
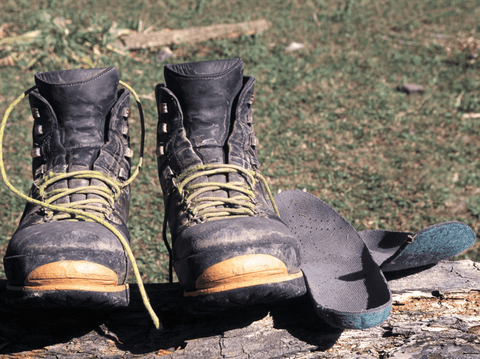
131	331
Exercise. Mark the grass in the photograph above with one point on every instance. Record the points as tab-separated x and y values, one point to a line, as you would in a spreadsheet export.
329	117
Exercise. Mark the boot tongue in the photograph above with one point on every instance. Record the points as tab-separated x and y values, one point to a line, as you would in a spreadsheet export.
206	91
81	100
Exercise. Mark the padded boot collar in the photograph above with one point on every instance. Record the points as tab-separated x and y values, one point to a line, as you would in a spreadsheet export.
67	76
204	69
81	100
206	92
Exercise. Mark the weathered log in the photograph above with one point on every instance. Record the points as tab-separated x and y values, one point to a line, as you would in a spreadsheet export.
436	314
193	35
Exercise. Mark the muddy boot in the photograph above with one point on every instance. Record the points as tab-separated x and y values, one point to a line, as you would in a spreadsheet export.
80	163
229	248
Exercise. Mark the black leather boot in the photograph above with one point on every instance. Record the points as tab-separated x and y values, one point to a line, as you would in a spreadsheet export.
80	161
229	248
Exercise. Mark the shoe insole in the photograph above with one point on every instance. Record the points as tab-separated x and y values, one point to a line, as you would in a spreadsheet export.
345	284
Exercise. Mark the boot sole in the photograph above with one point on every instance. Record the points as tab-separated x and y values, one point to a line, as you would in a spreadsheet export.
245	280
25	297
241	297
70	284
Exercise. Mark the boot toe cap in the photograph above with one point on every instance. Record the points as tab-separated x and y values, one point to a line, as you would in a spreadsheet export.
38	245
205	245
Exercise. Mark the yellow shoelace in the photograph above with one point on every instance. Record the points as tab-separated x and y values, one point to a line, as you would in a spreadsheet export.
104	205
205	208
78	209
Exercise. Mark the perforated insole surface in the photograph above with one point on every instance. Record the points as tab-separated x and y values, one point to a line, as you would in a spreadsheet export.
343	280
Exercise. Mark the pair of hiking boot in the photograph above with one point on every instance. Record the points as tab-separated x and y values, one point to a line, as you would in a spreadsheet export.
229	247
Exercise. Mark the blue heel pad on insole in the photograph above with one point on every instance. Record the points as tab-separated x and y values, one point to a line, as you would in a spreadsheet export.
395	251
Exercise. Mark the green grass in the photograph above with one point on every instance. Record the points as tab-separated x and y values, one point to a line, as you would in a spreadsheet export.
329	117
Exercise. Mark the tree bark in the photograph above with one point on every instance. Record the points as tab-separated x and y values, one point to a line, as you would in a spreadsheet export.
435	314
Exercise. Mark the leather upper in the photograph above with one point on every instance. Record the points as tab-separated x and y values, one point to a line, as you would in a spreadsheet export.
209	120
